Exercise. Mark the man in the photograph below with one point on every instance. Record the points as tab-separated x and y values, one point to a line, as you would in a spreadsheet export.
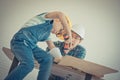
77	50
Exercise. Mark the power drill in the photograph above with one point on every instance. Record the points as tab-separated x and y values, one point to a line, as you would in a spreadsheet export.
66	45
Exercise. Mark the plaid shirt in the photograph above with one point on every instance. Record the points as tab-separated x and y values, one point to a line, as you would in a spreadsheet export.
78	51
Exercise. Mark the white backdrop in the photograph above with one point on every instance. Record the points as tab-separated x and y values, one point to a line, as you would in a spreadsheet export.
101	19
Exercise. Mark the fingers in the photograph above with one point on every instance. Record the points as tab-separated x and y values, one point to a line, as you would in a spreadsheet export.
69	43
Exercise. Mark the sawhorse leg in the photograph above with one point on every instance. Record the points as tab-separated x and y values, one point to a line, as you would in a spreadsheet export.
14	64
88	76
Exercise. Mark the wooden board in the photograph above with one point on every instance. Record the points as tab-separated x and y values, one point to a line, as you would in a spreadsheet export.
69	73
86	66
8	53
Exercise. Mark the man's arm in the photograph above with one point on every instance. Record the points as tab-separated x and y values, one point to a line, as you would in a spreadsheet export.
80	52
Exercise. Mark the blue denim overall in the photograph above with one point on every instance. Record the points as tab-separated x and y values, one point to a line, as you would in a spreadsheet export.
25	50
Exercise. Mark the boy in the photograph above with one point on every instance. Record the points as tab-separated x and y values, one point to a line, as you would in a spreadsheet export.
23	44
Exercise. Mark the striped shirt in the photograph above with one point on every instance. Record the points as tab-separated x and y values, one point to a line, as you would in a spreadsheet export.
39	19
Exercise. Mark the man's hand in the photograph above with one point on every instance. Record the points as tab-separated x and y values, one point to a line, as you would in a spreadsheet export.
68	41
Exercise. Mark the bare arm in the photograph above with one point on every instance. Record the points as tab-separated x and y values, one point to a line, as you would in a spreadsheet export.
62	17
50	44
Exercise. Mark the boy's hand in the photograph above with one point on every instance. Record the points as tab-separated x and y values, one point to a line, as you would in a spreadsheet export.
55	52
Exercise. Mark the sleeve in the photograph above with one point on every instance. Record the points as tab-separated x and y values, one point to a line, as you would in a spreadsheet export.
57	43
39	19
43	16
80	53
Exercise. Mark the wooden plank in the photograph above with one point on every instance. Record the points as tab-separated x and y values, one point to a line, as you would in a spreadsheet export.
8	53
69	73
86	66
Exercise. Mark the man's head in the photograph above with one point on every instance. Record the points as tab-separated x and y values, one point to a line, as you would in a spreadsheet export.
78	33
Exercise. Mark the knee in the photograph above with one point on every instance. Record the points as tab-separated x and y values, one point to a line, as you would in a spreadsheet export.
48	59
28	66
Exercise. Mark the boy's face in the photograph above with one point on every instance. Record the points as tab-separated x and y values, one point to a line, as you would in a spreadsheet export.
57	26
75	39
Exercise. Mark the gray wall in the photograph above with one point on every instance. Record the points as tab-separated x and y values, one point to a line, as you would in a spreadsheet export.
100	17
